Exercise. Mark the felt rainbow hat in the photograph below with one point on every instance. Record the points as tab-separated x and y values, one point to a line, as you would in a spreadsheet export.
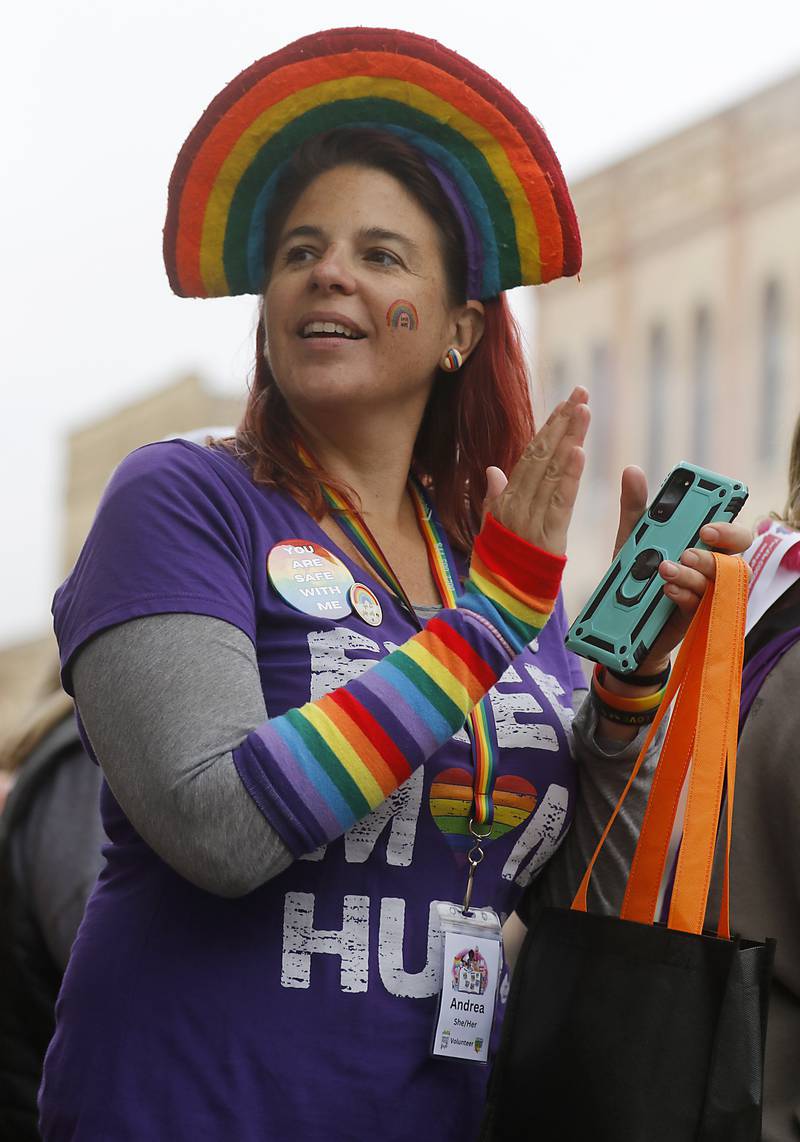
489	154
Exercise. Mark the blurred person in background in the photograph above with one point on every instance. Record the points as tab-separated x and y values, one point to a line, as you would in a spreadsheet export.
50	855
765	852
51	836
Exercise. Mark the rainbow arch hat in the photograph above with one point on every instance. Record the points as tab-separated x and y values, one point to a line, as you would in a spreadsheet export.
489	154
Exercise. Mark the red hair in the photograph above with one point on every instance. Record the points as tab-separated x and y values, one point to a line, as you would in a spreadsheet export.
479	416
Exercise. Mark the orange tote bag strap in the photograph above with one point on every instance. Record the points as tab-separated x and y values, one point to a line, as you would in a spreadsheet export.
579	904
715	751
715	640
724	926
650	858
711	681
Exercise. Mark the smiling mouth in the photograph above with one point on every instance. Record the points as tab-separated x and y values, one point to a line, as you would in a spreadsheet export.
323	329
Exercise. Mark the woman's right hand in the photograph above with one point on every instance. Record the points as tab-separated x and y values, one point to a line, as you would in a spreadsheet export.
536	501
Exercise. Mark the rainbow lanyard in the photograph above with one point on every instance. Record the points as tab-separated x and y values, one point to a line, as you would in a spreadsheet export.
480	722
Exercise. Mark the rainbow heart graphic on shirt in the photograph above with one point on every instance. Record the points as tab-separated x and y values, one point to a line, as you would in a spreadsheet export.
451	802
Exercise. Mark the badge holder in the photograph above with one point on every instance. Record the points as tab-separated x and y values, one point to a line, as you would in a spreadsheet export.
472	951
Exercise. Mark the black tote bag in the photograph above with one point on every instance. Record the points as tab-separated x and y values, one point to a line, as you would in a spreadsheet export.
622	1030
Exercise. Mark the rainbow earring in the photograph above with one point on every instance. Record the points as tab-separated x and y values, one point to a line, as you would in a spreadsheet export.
452	361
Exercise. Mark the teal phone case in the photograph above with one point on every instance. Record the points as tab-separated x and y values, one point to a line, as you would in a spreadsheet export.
628	609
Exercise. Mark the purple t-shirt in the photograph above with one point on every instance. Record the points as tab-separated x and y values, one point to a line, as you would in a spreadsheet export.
304	1009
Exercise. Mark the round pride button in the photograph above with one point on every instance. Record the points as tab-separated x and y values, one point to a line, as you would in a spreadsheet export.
309	578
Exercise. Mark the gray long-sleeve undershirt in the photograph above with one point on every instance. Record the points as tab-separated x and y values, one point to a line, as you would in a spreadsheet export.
604	766
166	699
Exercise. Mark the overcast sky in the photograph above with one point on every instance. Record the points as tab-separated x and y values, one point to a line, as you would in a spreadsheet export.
98	99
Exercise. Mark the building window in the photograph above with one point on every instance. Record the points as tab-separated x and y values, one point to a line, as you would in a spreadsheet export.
600	439
771	369
702	383
657	371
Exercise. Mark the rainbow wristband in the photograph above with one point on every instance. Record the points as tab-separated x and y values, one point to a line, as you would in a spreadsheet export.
512	583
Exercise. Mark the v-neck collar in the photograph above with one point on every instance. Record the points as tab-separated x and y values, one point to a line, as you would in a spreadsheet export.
360	573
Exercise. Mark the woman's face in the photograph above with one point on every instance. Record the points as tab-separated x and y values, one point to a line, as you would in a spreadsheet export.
357	309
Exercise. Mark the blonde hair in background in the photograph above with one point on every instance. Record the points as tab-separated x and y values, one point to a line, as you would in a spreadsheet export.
791	513
52	707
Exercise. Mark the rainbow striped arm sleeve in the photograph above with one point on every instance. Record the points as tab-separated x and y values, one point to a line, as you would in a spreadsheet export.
316	770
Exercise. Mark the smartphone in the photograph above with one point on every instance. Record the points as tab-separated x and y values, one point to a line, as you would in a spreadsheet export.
628	609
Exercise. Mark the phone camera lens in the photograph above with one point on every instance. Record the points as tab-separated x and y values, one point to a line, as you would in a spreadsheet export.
672	493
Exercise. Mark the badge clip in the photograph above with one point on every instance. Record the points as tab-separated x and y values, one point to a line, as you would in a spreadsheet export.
474	858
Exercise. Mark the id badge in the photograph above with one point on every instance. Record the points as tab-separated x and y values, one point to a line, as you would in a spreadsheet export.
473	960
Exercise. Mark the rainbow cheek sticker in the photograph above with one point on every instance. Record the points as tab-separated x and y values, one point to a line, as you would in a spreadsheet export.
402	315
310	579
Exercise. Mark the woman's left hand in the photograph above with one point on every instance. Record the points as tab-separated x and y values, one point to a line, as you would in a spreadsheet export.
685	581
